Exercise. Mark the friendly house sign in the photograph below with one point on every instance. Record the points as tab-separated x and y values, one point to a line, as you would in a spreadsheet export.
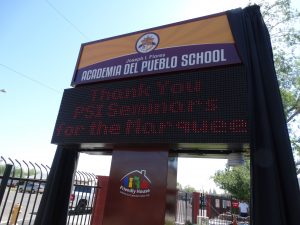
136	184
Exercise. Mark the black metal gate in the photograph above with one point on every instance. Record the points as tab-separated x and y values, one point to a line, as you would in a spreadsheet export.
22	186
211	210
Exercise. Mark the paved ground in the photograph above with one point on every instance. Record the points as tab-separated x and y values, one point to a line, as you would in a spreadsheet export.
18	223
29	203
184	212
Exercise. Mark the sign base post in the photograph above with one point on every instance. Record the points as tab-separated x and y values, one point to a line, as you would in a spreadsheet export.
137	187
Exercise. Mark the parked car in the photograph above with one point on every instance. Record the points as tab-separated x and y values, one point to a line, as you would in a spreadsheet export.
11	182
31	187
41	189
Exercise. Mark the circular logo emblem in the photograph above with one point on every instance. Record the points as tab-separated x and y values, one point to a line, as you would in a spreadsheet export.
147	42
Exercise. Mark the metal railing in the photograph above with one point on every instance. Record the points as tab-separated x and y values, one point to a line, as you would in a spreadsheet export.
22	186
82	199
213	210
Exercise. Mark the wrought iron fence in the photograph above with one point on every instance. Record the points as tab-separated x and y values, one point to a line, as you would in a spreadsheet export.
22	186
211	210
184	207
82	199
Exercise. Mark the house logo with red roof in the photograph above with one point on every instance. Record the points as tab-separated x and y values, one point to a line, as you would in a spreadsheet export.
135	184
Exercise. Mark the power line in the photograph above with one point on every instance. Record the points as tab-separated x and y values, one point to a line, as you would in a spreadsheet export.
66	19
29	78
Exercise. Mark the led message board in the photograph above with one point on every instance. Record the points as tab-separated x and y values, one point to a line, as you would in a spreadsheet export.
192	44
202	106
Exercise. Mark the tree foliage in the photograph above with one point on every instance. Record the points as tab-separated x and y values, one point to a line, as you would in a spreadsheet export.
281	20
189	189
18	172
179	186
235	180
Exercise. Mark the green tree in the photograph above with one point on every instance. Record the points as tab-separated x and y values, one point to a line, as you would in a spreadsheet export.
179	186
235	180
189	189
18	171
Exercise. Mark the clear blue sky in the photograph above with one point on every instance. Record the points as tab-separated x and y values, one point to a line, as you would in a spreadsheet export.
39	45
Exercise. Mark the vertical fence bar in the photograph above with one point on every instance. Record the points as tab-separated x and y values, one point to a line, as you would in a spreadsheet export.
83	195
86	197
22	197
4	180
4	186
94	188
13	202
6	175
186	206
31	190
37	191
70	220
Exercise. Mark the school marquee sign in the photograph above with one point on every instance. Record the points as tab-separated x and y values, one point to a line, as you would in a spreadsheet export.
192	44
